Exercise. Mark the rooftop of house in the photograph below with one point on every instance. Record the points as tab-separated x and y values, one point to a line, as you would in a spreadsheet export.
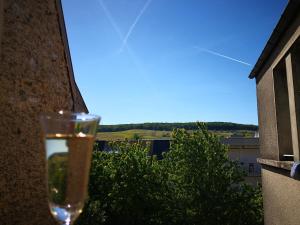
241	141
289	14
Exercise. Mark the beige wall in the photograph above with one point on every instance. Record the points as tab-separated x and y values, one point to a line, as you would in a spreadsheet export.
268	138
281	196
35	76
246	155
1	21
246	152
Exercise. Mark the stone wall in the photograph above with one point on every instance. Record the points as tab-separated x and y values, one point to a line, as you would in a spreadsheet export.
277	120
281	196
35	76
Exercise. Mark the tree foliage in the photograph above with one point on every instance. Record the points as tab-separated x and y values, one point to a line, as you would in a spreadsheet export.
136	137
194	183
218	126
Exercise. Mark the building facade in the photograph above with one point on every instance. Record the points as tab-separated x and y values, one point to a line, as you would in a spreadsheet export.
241	149
277	75
36	76
246	151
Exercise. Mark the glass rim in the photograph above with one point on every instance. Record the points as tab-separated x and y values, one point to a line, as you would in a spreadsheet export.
69	116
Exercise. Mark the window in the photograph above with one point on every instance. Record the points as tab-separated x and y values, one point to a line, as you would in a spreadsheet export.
287	103
282	110
251	170
293	81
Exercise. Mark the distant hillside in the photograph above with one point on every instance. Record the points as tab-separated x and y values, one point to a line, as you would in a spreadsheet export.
215	126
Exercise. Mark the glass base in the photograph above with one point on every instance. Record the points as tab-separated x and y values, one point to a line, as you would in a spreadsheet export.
65	214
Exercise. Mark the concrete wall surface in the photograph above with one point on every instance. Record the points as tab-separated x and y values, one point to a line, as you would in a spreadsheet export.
281	196
268	137
35	76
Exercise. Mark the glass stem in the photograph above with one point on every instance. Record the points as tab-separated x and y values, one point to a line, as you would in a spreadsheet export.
68	221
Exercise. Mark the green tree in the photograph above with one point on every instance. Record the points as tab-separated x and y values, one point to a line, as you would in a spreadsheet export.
136	137
127	187
208	183
195	183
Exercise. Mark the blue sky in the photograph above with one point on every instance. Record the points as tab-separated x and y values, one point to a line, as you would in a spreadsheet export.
169	60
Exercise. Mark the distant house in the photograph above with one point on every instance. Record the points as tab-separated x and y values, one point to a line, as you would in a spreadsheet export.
246	151
277	74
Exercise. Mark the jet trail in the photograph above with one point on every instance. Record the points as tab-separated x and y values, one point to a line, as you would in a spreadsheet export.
131	28
131	53
111	19
223	56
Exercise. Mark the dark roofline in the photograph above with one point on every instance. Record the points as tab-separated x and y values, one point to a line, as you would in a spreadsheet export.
75	92
286	19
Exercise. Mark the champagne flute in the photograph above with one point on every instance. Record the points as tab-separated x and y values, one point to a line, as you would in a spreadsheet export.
69	139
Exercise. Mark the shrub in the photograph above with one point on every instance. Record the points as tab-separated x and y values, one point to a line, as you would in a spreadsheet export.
195	183
127	187
208	183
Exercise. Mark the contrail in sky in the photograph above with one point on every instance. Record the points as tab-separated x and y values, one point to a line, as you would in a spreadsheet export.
111	19
223	56
131	28
132	55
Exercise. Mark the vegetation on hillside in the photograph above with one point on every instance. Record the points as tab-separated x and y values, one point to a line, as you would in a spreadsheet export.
216	126
194	183
158	134
132	135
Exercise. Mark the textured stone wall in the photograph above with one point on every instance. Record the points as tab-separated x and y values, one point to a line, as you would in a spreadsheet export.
35	76
281	196
268	136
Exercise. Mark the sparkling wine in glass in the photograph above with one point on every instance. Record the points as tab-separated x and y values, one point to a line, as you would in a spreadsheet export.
69	139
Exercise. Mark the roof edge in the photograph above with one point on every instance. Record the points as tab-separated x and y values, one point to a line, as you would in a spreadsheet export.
286	18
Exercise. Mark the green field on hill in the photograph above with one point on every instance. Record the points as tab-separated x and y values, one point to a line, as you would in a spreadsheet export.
157	134
131	134
164	130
